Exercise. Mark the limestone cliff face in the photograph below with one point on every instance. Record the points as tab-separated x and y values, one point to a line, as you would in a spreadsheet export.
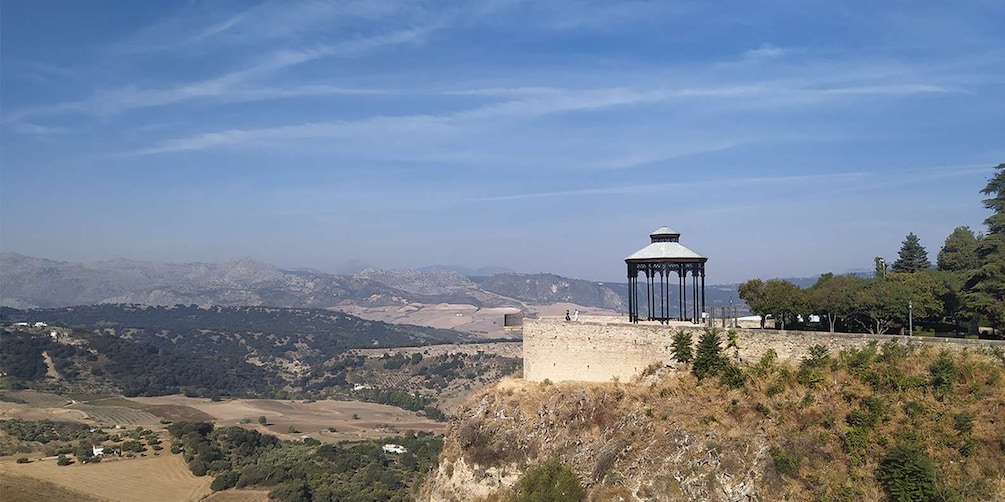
624	442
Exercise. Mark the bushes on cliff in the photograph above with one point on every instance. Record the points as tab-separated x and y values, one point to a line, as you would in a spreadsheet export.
907	474
549	481
683	346
708	361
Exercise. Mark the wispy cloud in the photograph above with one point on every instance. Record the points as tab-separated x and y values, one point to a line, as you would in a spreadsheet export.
718	183
233	86
528	104
36	129
764	53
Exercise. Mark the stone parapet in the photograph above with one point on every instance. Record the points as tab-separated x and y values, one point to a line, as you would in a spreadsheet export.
604	348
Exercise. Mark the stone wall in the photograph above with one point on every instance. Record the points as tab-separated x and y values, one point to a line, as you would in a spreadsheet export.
601	349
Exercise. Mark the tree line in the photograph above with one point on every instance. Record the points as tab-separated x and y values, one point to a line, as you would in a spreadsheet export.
967	286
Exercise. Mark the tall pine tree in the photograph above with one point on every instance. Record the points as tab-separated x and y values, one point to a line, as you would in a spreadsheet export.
959	253
985	291
913	256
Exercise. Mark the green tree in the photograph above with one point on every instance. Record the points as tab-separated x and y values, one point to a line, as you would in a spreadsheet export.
549	482
877	304
784	300
683	346
912	257
262	420
959	253
949	288
985	289
831	296
924	291
83	452
907	474
708	361
752	292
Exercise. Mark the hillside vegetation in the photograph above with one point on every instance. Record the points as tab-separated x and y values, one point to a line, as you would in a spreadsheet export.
213	352
889	422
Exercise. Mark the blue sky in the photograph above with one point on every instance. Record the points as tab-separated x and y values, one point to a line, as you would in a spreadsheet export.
780	138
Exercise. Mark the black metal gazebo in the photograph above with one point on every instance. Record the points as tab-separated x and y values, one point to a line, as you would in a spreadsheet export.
661	258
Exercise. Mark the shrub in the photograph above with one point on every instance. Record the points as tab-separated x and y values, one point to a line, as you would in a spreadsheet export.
786	462
907	474
549	481
767	363
774	389
943	372
708	360
963	422
914	409
23	460
732	376
811	369
224	481
63	460
683	346
198	467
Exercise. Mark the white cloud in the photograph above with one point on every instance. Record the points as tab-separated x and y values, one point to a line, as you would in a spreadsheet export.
764	53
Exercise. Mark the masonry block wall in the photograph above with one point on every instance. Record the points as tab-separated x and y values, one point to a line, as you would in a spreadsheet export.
586	351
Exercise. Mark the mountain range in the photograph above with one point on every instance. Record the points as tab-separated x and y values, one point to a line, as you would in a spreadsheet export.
29	282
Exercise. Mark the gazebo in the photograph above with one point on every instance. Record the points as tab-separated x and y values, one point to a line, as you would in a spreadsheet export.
661	258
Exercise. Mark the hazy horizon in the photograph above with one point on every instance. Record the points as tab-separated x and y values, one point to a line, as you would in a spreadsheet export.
780	140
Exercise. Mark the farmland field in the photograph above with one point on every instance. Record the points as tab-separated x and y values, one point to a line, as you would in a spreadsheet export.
26	489
109	416
350	419
155	478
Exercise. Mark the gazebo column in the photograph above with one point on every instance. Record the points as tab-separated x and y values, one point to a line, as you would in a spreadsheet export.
703	289
664	300
649	292
680	294
694	286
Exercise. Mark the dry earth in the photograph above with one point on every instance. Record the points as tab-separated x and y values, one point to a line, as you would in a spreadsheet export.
351	419
311	419
484	322
153	479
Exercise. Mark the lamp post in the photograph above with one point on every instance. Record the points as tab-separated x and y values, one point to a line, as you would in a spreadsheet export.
910	318
732	314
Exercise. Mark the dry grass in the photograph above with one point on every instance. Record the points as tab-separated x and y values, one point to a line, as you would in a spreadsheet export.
27	489
157	478
310	419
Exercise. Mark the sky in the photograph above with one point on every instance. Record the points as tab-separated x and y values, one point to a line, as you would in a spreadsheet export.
780	138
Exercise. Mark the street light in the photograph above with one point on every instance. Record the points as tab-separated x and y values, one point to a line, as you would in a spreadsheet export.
910	318
732	314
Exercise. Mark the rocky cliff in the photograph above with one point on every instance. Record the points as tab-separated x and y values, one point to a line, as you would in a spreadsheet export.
864	424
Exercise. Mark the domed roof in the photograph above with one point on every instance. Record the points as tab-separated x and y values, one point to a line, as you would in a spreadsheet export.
665	247
664	230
